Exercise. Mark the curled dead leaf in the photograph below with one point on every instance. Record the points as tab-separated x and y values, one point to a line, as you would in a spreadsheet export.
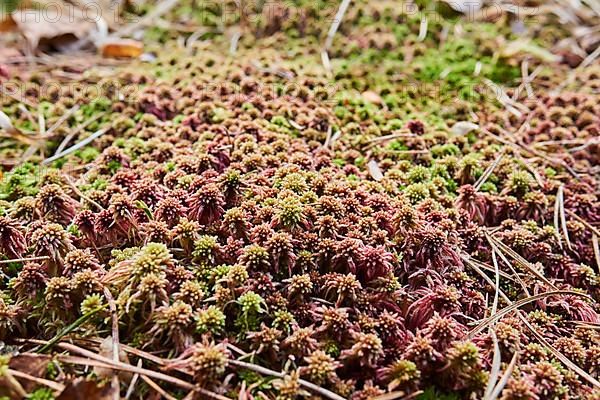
32	364
122	48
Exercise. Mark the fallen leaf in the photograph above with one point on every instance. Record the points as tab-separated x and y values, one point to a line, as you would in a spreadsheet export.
464	127
31	364
56	24
122	48
372	97
81	389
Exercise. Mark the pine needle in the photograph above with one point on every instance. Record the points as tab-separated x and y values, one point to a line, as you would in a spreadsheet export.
337	20
560	356
265	371
77	146
523	263
563	219
540	338
496	363
516	305
489	170
505	377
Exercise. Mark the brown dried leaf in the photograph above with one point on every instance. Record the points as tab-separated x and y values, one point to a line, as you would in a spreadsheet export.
81	389
31	364
122	48
57	25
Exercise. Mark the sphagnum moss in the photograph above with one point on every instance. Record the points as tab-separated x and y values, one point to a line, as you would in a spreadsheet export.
333	229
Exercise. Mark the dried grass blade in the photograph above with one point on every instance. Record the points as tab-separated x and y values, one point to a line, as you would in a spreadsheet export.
397	395
78	322
78	129
497	274
62	119
486	267
92	362
540	338
134	380
24	259
584	222
77	146
115	339
40	381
